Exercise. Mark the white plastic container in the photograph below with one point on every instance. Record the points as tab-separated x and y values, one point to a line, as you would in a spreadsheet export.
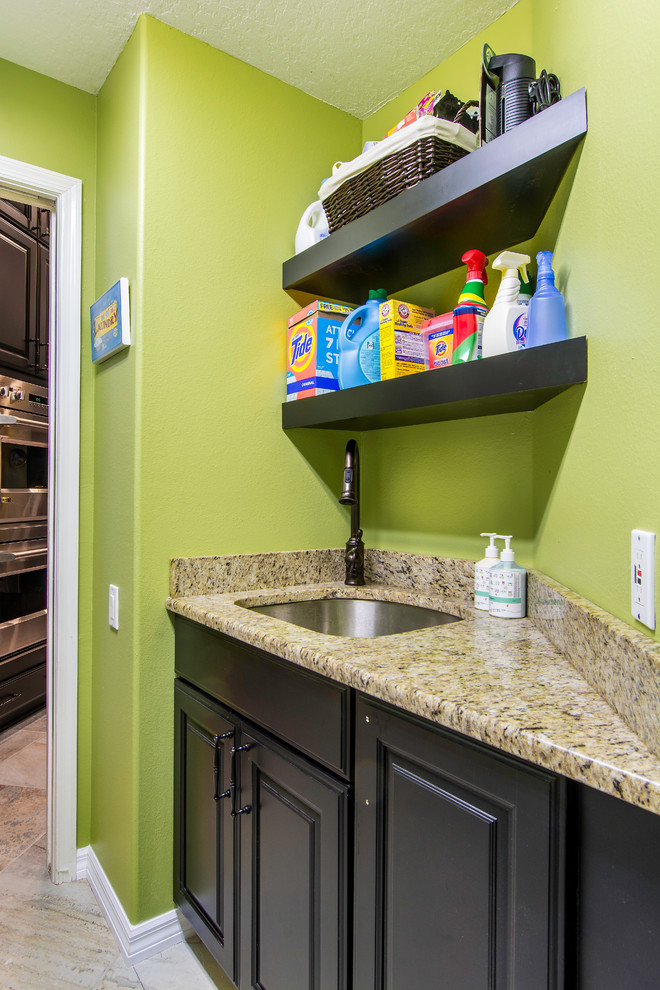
482	574
508	585
505	327
313	227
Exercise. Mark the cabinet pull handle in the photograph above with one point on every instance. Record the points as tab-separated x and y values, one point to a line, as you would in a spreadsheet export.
8	698
216	766
247	808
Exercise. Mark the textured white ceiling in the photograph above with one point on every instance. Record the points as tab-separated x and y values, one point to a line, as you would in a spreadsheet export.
353	54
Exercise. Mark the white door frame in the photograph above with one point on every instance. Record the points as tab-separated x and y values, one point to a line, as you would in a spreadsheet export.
63	194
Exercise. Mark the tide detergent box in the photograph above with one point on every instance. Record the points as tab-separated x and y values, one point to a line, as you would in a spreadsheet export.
438	337
312	349
401	342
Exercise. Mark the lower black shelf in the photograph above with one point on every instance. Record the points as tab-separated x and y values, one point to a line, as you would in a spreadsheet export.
507	383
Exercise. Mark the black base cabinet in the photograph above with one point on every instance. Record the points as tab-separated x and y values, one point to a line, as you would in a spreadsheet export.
472	870
293	872
205	848
458	855
614	894
261	851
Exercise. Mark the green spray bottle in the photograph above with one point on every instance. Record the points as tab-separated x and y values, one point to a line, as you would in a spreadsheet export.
471	310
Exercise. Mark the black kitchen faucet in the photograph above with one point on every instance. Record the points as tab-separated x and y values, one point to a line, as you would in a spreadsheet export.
350	495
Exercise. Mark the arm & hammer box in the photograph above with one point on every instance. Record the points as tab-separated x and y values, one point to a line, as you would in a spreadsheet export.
401	342
312	349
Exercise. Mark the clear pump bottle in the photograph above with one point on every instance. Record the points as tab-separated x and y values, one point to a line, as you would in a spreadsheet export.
482	574
508	585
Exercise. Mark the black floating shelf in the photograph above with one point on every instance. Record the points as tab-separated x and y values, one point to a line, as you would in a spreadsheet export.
507	383
494	197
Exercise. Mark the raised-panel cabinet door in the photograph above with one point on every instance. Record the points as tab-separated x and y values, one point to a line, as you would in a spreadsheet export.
18	213
18	297
204	846
458	862
293	871
42	328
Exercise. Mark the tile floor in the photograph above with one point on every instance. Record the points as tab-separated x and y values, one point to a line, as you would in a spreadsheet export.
55	937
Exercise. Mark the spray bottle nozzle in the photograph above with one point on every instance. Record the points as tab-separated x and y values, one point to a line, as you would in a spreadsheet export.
509	262
476	262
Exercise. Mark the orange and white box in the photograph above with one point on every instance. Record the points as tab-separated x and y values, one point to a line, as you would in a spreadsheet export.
312	349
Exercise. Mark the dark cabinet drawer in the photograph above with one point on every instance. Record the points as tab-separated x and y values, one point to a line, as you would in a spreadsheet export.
23	692
309	711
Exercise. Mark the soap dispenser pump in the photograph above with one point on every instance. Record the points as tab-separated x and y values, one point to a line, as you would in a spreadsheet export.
482	574
508	585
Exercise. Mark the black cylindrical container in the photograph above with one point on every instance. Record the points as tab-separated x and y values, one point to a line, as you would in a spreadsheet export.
516	72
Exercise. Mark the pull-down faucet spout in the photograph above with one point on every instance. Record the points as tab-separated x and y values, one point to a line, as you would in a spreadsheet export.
350	495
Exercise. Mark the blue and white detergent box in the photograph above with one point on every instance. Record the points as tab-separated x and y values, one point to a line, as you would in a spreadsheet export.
312	350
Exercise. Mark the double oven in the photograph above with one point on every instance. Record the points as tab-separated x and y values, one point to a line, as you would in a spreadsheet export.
23	547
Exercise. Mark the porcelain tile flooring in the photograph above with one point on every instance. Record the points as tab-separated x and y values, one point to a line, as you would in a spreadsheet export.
55	937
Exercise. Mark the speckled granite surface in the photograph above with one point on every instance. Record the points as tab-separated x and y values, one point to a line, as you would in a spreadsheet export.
570	688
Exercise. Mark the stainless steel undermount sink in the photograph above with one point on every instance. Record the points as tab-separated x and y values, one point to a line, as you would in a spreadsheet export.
358	617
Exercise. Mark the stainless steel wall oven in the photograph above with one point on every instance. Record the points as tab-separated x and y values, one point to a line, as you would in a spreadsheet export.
23	546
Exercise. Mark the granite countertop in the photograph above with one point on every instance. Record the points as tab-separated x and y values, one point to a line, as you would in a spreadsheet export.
570	688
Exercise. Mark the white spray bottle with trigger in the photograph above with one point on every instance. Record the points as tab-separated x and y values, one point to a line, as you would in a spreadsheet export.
505	327
508	585
482	574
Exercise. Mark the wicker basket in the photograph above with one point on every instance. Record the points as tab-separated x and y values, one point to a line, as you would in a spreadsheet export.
387	177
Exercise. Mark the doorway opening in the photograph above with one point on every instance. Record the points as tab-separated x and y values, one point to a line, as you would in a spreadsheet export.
62	195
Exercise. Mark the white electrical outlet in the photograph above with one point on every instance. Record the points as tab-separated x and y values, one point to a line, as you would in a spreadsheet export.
113	606
642	583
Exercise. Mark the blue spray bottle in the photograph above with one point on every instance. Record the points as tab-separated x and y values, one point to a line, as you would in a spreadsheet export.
546	322
359	343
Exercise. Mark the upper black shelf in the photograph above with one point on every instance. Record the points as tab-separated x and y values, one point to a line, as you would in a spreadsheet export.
507	383
493	198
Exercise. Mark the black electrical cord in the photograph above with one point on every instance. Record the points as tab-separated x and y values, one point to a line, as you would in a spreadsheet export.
544	91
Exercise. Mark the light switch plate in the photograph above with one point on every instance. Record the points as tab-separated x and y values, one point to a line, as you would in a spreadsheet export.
113	606
642	583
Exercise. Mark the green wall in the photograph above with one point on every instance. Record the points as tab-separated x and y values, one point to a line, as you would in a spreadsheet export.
116	714
205	165
608	479
573	478
53	126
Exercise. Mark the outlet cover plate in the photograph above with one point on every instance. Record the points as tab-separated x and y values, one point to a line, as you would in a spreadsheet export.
642	577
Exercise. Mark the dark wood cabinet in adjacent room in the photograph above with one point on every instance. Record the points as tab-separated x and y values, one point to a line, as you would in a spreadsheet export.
24	288
18	298
43	288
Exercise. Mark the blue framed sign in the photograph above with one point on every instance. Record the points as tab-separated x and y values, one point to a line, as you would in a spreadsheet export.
110	322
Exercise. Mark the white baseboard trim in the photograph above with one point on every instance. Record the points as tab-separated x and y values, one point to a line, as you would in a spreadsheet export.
137	942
